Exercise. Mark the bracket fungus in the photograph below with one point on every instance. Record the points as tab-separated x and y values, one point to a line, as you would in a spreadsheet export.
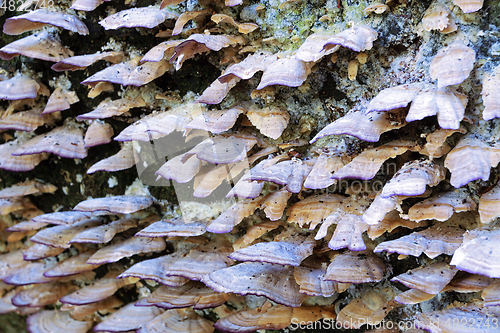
305	195
41	17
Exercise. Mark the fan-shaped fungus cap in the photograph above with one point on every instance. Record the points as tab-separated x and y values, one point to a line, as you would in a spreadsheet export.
52	321
65	141
41	17
254	232
60	218
479	253
249	66
276	282
491	294
271	121
172	228
471	159
313	209
367	127
442	206
72	266
31	273
107	108
430	279
198	43
217	91
321	173
40	251
427	100
11	262
196	16
436	145
371	308
469	6
466	283
291	173
433	241
83	61
201	261
26	226
488	204
127	248
26	188
129	317
179	170
244	28
156	270
288	251
194	294
351	267
291	72
490	95
275	204
146	17
98	133
60	236
129	73
86	5
42	294
104	233
453	64
271	317
41	46
391	221
216	121
98	290
234	215
413	178
82	312
309	276
60	100
26	121
366	165
178	320
358	38
122	160
438	17
121	204
18	87
349	230
222	149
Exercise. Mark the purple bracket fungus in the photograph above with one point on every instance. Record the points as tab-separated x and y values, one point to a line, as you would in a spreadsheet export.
275	282
42	46
83	61
38	18
122	204
129	317
194	294
65	141
147	17
18	87
426	100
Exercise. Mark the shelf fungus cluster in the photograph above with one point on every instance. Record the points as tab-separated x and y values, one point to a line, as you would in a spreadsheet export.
238	166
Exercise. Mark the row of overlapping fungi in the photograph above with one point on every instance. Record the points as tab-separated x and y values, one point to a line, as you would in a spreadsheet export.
213	262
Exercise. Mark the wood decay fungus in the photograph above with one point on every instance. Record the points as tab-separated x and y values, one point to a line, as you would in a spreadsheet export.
193	166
